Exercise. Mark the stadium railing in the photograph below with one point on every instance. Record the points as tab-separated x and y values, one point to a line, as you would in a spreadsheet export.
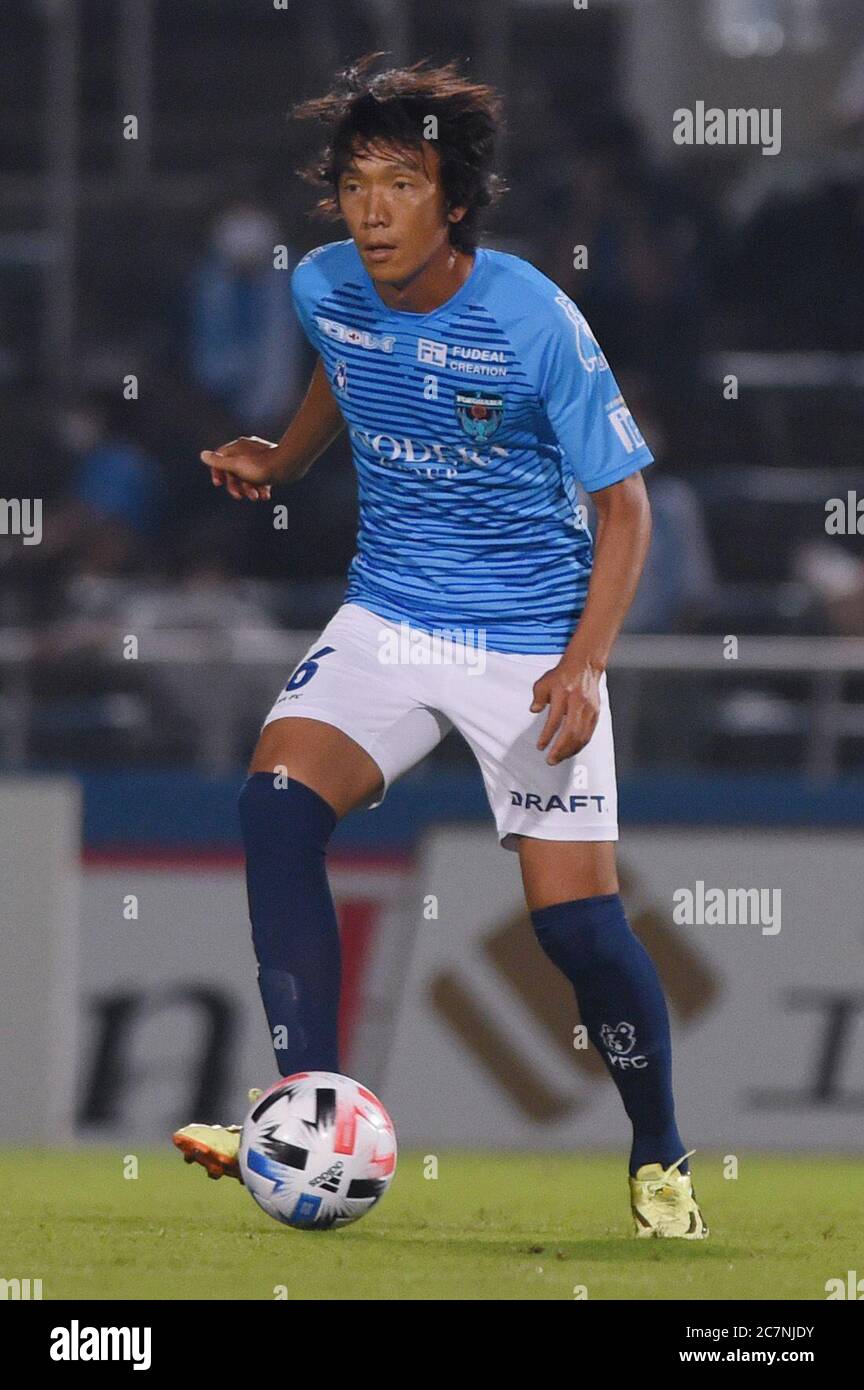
218	683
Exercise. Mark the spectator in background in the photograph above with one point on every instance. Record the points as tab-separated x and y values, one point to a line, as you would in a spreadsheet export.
679	578
245	343
675	594
797	282
99	533
835	581
643	288
114	506
800	257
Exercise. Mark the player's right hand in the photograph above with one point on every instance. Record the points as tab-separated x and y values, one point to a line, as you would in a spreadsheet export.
245	467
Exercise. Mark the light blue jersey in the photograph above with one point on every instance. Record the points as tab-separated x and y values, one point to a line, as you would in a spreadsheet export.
471	427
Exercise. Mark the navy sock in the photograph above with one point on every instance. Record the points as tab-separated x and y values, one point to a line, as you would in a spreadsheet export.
286	826
622	1006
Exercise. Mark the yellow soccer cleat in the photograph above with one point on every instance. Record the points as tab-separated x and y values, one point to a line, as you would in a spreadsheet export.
215	1147
663	1203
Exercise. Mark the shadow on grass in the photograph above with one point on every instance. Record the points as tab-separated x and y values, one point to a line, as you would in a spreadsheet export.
611	1249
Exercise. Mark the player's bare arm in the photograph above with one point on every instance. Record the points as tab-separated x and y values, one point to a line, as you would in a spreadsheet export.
248	467
572	688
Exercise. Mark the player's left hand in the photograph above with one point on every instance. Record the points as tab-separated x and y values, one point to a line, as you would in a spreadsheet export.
244	467
572	692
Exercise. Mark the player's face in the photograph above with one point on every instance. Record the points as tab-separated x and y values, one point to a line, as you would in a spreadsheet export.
395	210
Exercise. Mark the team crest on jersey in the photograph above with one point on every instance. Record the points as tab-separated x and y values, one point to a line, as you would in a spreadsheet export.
479	413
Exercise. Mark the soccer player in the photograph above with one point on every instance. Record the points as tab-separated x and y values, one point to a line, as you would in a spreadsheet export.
477	400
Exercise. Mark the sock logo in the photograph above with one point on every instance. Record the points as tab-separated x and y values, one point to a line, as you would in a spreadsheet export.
620	1039
619	1043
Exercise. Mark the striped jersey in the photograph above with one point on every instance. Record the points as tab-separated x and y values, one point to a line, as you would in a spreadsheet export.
472	429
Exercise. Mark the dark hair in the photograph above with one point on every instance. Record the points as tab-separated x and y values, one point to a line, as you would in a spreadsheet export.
389	109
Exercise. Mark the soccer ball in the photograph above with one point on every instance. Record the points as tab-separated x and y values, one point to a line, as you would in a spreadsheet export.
317	1150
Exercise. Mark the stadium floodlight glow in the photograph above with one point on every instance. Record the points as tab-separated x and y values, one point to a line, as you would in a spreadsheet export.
762	28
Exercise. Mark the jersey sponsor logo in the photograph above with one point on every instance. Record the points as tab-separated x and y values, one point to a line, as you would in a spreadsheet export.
416	453
587	346
478	354
355	337
532	801
477	369
480	361
432	353
624	425
479	413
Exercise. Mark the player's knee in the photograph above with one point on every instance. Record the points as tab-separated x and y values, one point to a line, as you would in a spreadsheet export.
587	933
280	814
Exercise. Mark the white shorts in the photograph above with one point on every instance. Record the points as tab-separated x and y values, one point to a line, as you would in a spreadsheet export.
398	692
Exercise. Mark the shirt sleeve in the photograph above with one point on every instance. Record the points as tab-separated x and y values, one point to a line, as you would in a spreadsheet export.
597	434
302	279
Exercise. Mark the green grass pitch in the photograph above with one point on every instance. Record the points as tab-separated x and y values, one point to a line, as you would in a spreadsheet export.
491	1226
